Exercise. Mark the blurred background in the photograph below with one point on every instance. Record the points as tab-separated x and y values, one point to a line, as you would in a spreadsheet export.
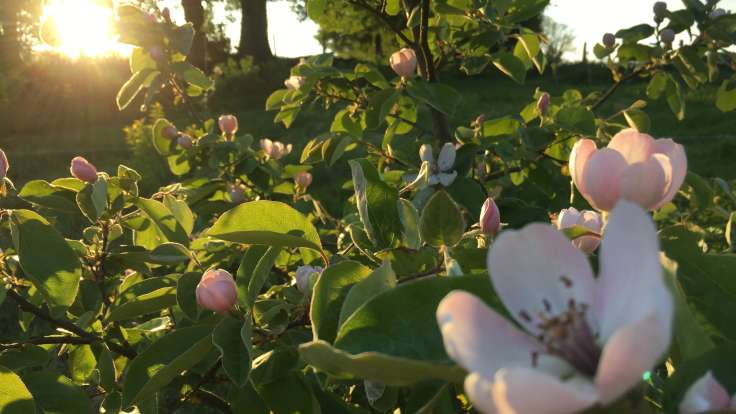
59	101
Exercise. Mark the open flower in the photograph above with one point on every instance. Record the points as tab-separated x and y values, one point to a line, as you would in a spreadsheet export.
584	341
274	149
294	82
441	172
571	217
634	167
705	395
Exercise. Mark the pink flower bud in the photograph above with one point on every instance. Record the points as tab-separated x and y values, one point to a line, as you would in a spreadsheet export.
150	18
166	13
660	10
634	167
236	193
185	141
543	103
4	165
609	40
490	217
304	277
83	170
404	62
157	53
571	217
303	179
667	36
216	291
171	132
228	124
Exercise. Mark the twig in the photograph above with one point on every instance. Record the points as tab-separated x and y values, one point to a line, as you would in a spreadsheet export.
381	16
422	274
617	85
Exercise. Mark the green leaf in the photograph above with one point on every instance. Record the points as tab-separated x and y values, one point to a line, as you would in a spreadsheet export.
165	360
523	10
638	120
192	75
182	38
56	394
140	59
328	296
378	281
264	222
577	119
169	254
163	144
134	85
377	203
147	303
510	65
260	274
409	217
635	33
167	228
82	363
437	95
725	98
374	366
316	9
92	200
234	348
181	211
44	194
186	298
501	127
402	322
46	258
14	396
442	222
276	99
299	398
721	362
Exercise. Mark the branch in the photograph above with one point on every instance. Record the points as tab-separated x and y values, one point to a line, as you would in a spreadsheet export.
617	85
382	17
47	340
40	313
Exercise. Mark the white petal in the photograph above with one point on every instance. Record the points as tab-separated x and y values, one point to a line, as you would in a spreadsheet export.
447	178
480	392
630	284
425	154
568	217
706	394
479	339
528	391
537	270
446	159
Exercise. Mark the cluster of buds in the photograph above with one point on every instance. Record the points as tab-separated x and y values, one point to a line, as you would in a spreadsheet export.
183	140
83	170
404	62
216	291
275	149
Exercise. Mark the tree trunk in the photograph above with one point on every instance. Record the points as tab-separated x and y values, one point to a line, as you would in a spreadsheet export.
10	44
254	31
194	14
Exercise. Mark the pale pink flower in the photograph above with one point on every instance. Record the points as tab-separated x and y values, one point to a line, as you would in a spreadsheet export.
216	291
490	217
228	124
591	220
274	149
705	395
441	171
634	166
83	170
404	62
583	341
295	82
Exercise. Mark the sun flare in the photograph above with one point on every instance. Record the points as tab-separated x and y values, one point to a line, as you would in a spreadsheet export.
80	28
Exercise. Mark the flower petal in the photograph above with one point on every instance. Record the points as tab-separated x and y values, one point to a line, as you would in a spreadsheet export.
706	394
628	354
646	183
568	217
446	159
678	160
536	270
480	392
579	156
479	339
630	285
447	178
528	391
633	145
602	177
425	154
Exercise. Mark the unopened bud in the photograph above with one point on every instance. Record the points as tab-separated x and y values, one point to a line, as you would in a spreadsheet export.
171	132
83	170
166	13
543	103
150	18
303	179
667	36
660	10
404	62
228	124
609	40
185	141
216	291
4	165
490	217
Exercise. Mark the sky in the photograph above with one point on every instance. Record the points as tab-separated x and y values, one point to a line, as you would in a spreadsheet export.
588	20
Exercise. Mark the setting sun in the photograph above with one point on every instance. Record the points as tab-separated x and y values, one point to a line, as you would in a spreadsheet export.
80	28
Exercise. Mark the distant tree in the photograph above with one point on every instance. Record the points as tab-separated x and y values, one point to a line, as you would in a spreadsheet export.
560	40
18	29
194	13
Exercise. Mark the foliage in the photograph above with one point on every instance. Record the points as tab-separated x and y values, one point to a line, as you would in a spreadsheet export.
109	314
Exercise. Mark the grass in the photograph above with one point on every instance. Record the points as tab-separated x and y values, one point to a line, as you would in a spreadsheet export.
709	135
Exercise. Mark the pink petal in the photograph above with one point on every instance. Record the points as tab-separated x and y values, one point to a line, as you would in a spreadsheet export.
602	176
479	339
537	270
528	391
633	145
706	394
480	392
630	285
678	160
628	354
579	156
568	217
645	183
